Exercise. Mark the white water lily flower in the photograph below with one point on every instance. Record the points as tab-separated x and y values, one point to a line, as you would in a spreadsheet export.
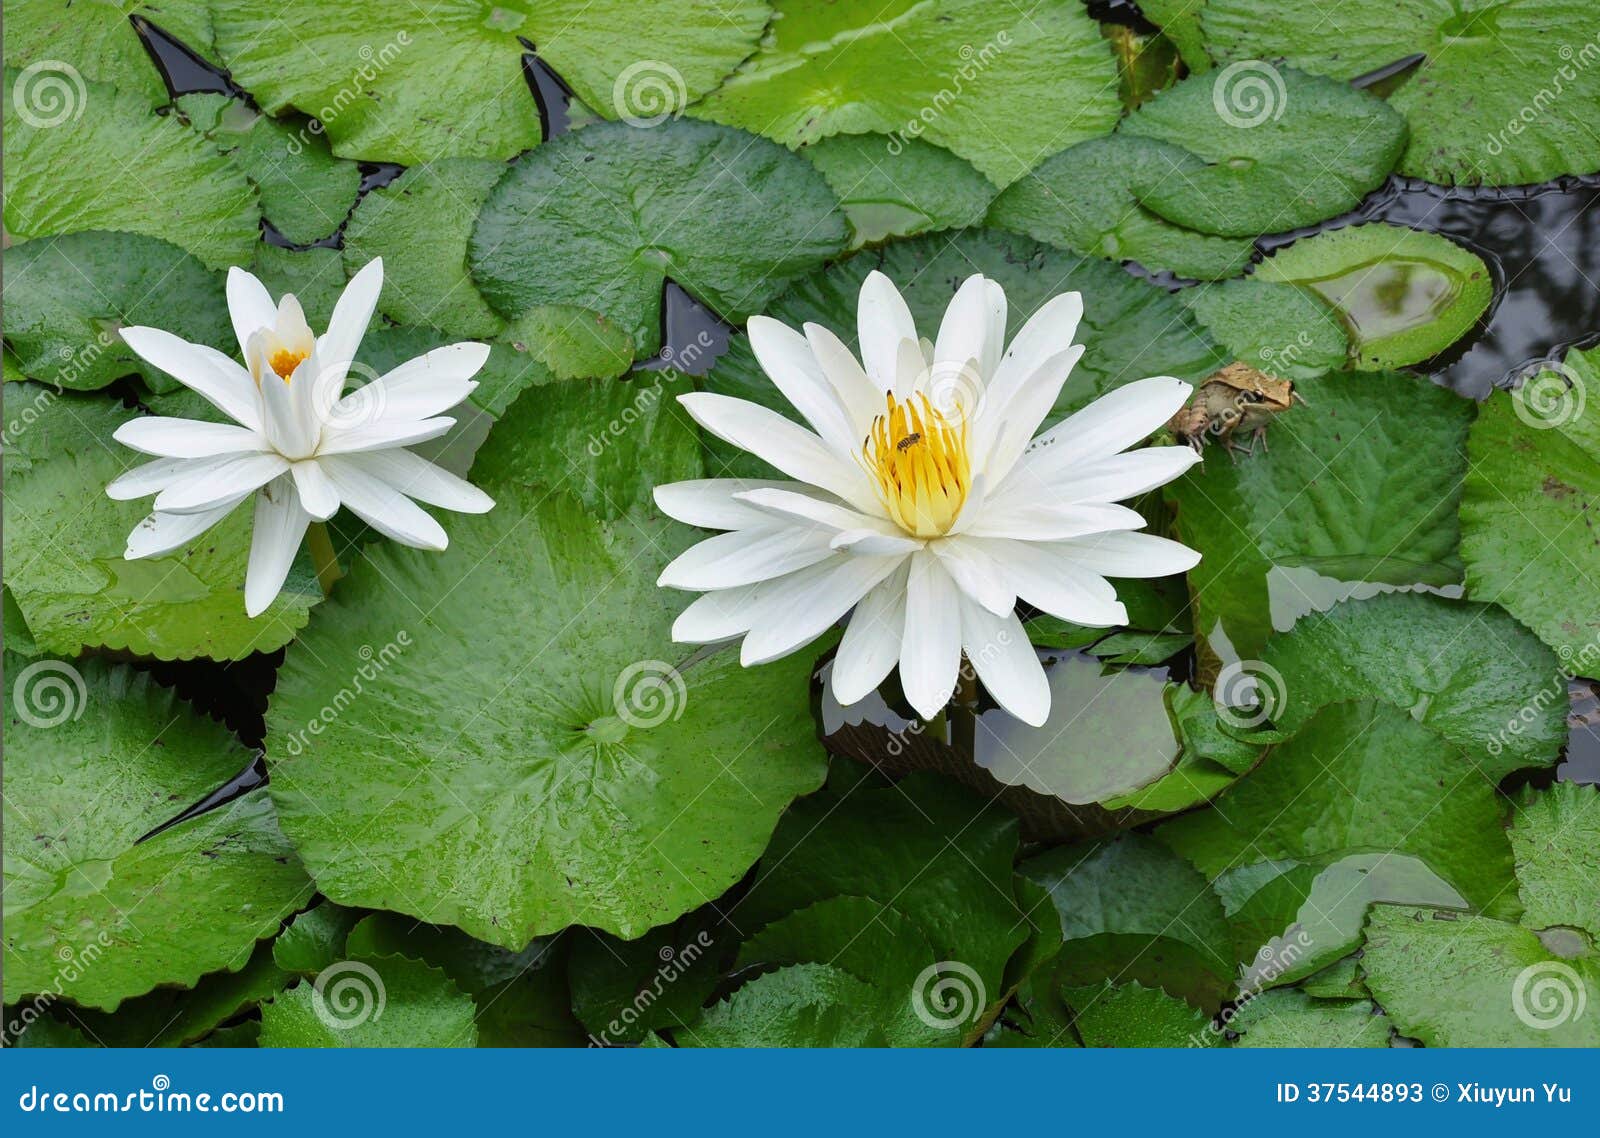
920	500
301	446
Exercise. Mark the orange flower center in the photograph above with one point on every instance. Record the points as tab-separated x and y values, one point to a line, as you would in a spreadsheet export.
918	459
283	361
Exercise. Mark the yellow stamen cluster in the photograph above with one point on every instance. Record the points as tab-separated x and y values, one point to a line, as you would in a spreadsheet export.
284	361
918	459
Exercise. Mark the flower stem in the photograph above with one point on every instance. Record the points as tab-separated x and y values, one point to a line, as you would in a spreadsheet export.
323	557
962	714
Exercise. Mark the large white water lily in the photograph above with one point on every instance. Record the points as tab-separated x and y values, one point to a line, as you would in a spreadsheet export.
298	443
922	499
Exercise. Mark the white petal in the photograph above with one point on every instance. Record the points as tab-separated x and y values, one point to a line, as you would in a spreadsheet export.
280	525
1048	578
186	438
1115	421
745	557
912	371
994	340
883	322
154	477
433	382
860	398
871	644
1049	330
786	358
383	435
1130	555
784	504
351	315
804	605
997	448
875	543
712	503
1111	479
719	615
964	331
1047	521
975	573
207	489
383	507
317	495
416	477
249	306
781	443
1006	663
930	645
162	533
219	380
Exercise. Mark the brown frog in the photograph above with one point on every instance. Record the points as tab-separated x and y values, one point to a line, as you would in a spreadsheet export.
1239	399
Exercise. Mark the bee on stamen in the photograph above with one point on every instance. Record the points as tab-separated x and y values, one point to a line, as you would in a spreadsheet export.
909	441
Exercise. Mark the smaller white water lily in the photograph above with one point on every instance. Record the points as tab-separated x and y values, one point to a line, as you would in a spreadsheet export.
298	443
920	501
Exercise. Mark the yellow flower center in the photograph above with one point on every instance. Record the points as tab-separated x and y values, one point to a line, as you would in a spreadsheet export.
918	459
284	361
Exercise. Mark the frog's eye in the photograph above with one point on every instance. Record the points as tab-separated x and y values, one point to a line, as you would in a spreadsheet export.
1252	397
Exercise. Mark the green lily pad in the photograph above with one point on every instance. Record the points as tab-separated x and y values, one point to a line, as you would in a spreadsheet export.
1556	839
1285	149
1130	329
803	1005
99	43
1526	508
182	1017
1286	1017
1467	981
55	177
1132	1015
64	541
97	756
1286	331
445	79
379	1001
1131	909
1082	198
1003	94
67	298
41	423
1469	672
533	804
625	990
1179	21
1357	491
601	217
1404	295
305	191
1495	101
419	224
890	188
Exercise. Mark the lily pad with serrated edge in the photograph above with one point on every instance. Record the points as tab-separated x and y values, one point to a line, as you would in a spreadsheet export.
890	188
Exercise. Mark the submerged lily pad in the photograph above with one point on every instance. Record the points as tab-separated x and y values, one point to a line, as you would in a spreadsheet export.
1004	94
1082	198
97	756
1527	509
602	217
55	177
1494	101
1404	295
1357	491
1284	149
890	188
